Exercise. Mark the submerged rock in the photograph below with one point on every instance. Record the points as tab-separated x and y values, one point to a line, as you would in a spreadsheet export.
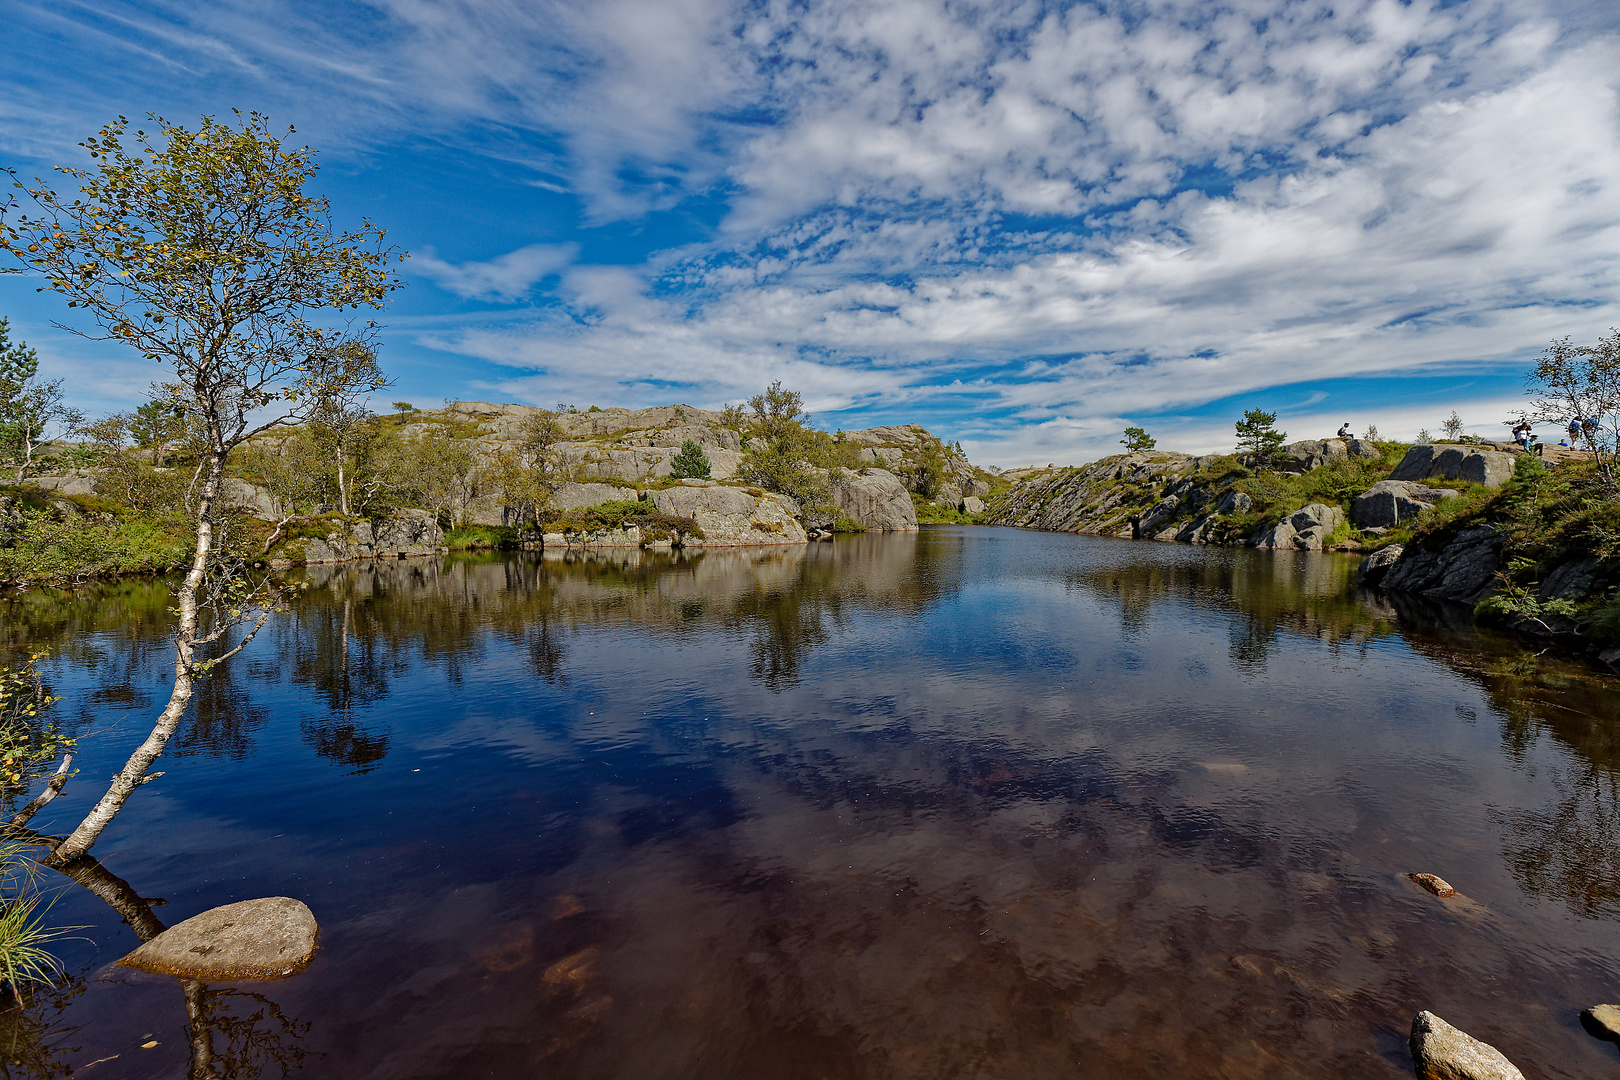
1436	885
1442	1052
270	938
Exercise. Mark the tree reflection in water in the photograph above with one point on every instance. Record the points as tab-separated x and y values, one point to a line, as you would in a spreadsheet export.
1567	850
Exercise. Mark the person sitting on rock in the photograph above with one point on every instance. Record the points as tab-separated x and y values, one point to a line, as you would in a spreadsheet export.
1345	432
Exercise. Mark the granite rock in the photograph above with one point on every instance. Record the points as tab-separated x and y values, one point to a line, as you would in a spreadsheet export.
1305	529
876	499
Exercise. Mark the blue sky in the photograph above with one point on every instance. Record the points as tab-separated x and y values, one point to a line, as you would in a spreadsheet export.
1023	224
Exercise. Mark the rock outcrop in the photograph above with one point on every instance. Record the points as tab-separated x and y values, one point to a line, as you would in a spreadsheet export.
1442	1052
1425	461
730	516
1107	497
1304	530
1462	569
408	532
877	500
1390	502
270	938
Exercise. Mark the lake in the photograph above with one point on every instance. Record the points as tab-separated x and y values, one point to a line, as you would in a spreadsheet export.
968	802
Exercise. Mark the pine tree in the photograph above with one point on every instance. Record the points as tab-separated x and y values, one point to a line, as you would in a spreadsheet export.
691	462
1257	437
1137	439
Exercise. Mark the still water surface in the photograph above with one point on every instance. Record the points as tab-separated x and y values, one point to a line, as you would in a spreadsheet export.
964	803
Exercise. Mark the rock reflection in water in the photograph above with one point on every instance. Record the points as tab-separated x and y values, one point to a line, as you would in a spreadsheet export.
962	803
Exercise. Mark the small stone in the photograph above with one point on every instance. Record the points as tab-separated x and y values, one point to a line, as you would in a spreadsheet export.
269	938
1442	1052
1436	885
1602	1022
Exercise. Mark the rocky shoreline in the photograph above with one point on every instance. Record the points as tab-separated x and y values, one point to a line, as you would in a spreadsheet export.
1173	497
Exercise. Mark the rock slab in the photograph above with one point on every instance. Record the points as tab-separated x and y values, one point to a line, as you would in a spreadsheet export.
1442	1052
269	938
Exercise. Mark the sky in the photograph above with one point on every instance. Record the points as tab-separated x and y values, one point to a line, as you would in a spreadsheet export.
1026	225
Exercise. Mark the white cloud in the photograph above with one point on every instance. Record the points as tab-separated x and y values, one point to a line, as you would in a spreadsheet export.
507	277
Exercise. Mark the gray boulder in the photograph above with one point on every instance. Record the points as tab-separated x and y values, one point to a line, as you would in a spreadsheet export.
1234	502
1442	1052
1390	502
1304	530
1376	565
270	938
1490	468
82	483
972	504
1463	570
729	516
876	499
250	498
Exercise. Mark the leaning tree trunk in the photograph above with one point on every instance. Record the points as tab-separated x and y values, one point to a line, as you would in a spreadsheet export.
133	774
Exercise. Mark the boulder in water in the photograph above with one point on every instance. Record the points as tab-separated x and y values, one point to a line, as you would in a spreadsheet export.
1602	1022
269	938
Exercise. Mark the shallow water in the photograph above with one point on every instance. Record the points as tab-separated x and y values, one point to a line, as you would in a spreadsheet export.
965	803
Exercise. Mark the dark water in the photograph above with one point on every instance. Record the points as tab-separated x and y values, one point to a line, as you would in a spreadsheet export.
969	803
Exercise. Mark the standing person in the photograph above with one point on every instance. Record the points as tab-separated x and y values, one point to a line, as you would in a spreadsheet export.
1575	431
1589	429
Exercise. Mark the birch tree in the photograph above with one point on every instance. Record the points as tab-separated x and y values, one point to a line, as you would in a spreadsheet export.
202	250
